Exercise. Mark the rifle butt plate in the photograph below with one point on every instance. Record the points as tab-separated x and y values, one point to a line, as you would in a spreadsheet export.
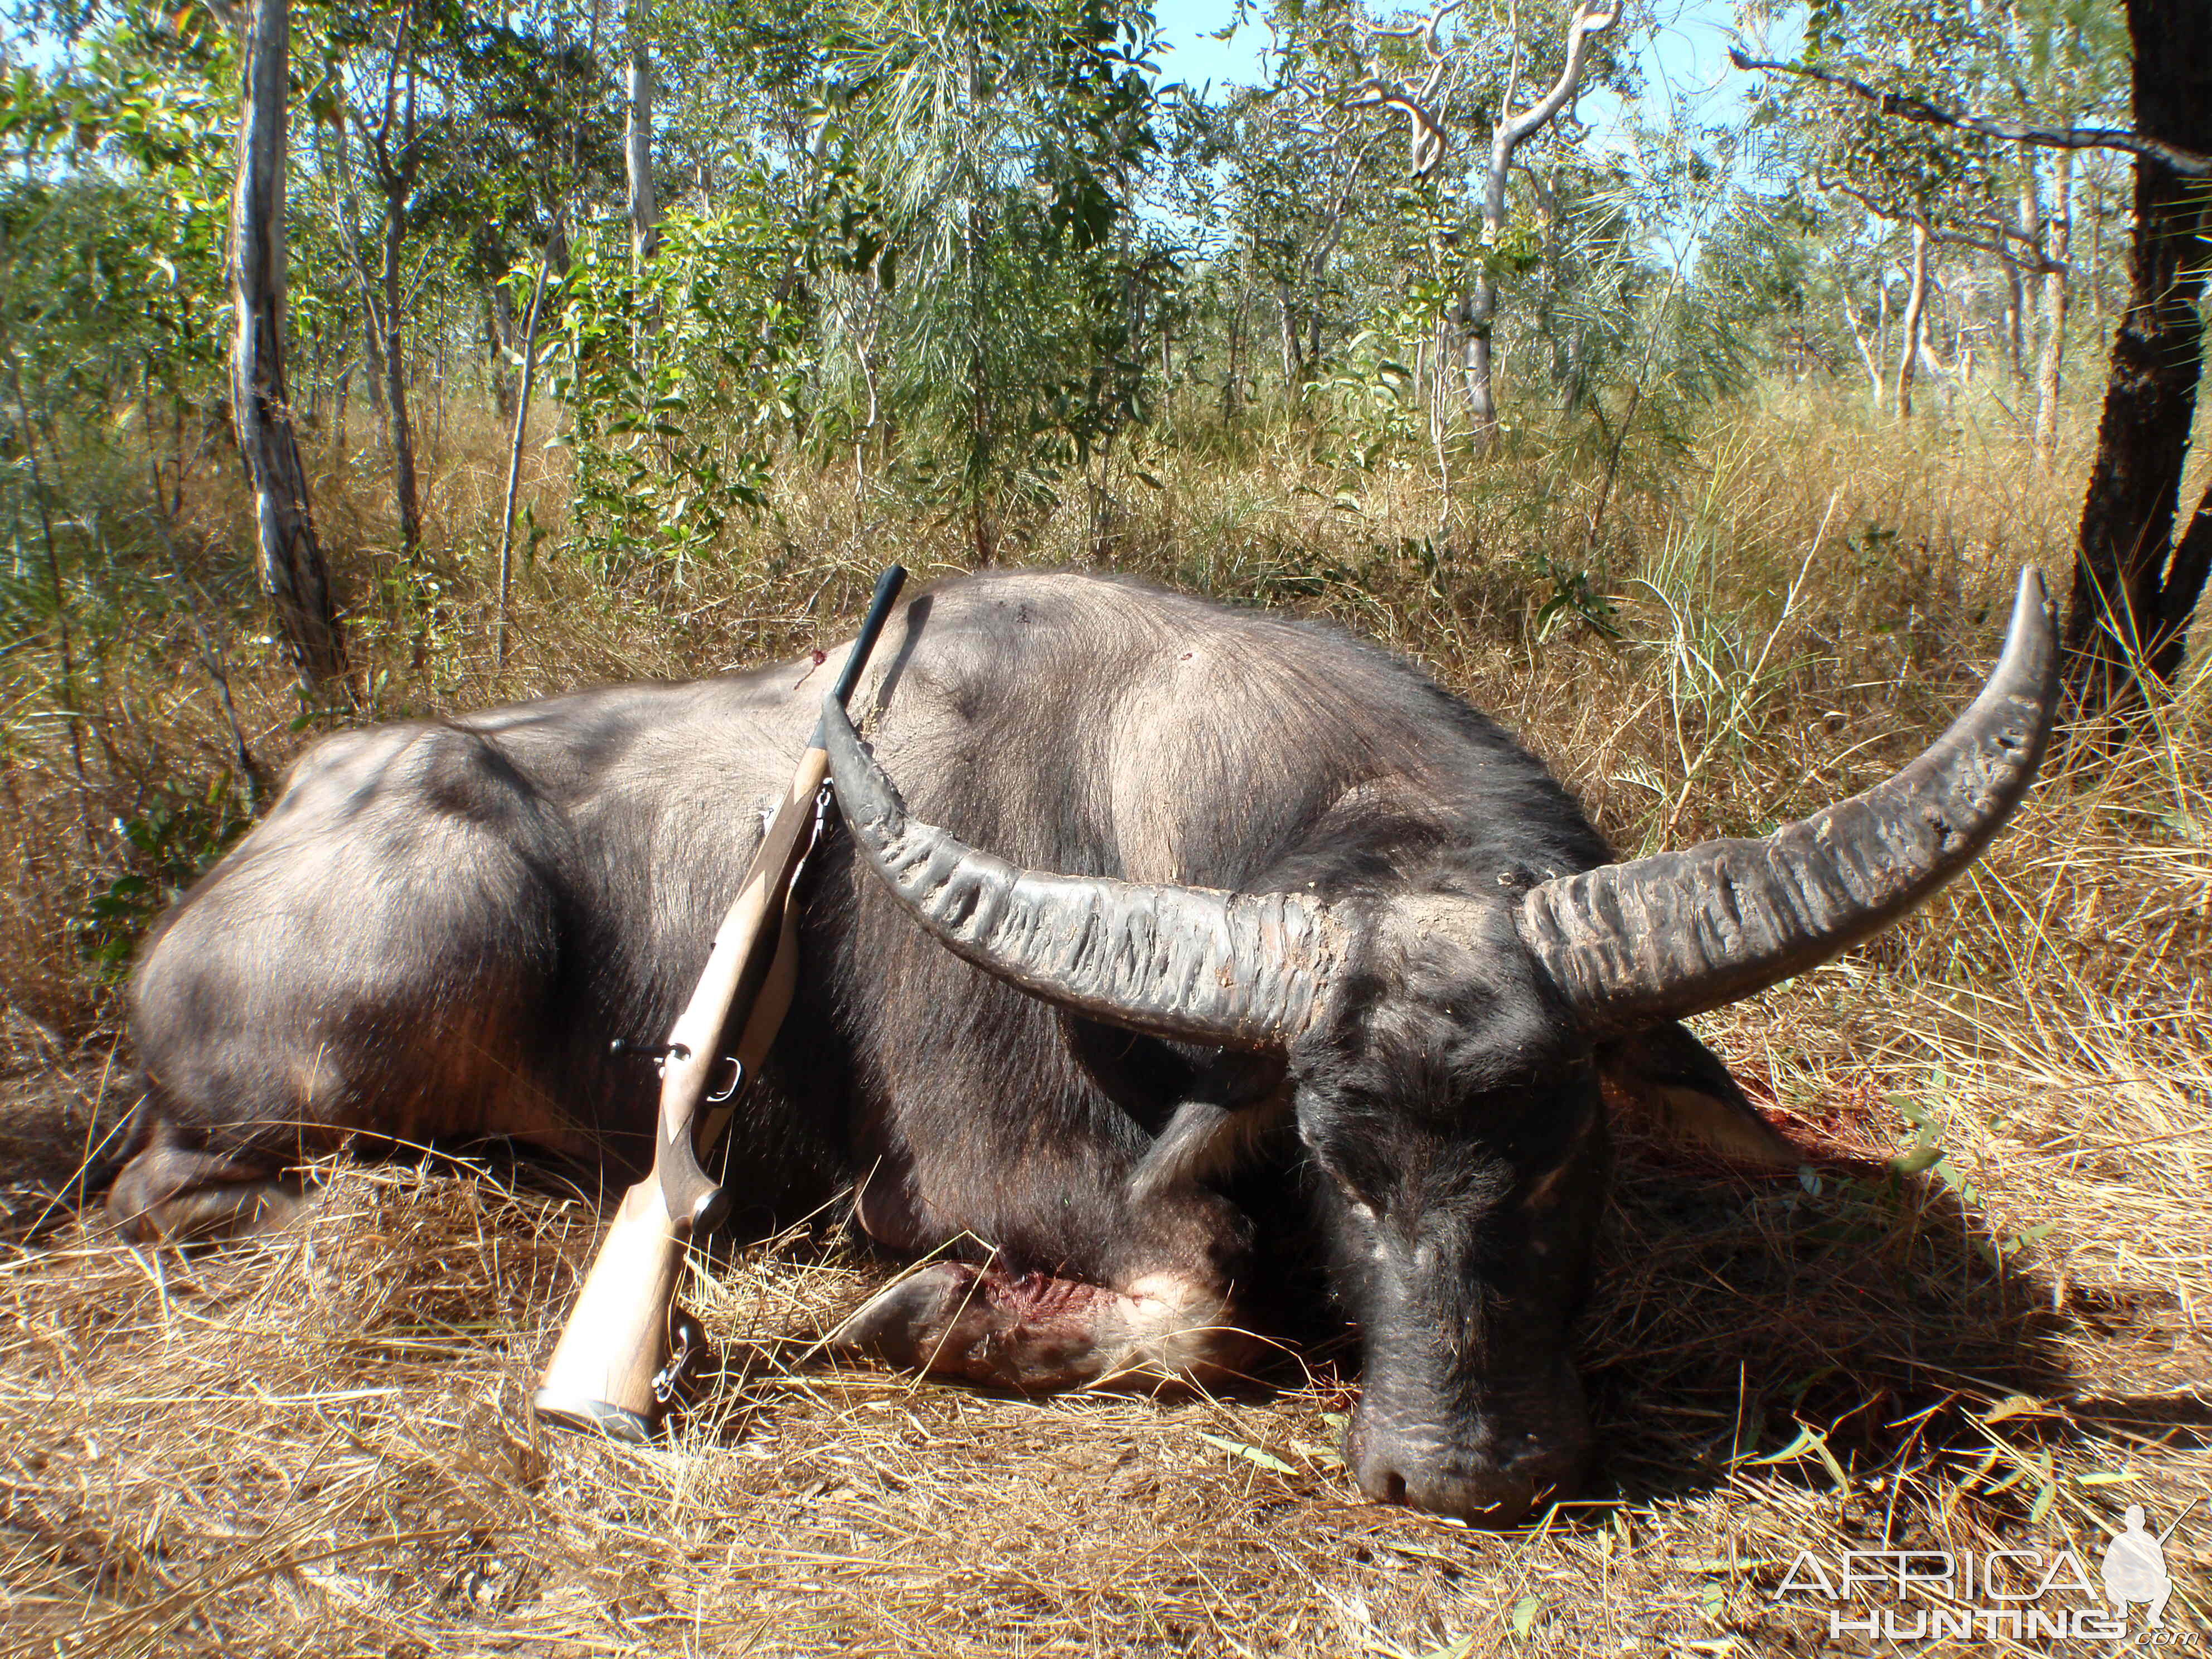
580	1416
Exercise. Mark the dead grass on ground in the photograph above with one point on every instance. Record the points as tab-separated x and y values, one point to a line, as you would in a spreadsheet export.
317	1444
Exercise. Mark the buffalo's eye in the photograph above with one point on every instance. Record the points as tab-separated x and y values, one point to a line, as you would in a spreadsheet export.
1360	1165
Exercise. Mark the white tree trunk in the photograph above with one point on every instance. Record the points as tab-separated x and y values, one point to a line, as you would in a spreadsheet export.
2022	339
1479	311
637	147
2057	246
637	164
1916	318
1868	347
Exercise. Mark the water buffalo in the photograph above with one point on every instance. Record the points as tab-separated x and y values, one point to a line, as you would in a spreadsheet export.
1263	909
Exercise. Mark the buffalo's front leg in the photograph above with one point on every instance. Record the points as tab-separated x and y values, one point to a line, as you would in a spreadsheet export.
1148	1290
174	1188
1032	1331
1087	1239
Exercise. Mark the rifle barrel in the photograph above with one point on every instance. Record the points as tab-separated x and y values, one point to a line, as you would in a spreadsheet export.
856	659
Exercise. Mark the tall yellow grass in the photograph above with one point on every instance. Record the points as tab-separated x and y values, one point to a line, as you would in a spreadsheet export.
316	1442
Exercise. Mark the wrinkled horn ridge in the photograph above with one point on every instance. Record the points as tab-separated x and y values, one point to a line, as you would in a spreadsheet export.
1630	945
1242	971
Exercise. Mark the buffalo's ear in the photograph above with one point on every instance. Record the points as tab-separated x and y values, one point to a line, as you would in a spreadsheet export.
1666	1080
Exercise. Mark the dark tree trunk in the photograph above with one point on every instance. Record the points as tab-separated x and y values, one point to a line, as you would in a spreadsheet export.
396	179
556	250
291	562
2136	586
499	334
1294	367
1236	322
372	348
338	438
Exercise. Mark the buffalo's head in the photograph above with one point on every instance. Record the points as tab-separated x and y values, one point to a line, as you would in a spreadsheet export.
1443	1046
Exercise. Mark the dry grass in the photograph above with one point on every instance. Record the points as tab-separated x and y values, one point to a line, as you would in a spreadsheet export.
317	1444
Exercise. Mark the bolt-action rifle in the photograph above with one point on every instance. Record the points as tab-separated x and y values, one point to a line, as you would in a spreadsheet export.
612	1370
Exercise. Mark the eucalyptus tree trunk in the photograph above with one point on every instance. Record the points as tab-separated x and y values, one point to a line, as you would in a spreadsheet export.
372	366
1234	323
1868	346
1294	361
514	461
1478	318
290	561
2020	284
338	439
2057	246
644	208
382	292
397	186
1915	324
2015	317
497	317
1477	312
637	147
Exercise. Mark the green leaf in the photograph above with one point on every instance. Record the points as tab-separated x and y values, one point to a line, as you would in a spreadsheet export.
1250	1453
1914	1162
1525	1610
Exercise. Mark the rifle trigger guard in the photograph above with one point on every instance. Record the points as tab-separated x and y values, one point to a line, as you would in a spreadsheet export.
690	1347
736	1075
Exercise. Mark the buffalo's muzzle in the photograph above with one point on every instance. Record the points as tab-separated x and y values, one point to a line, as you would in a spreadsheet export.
1491	1466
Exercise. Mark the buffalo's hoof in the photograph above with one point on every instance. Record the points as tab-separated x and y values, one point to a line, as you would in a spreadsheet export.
907	1323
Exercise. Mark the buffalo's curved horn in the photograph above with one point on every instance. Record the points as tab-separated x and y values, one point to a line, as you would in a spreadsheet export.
1632	945
1234	969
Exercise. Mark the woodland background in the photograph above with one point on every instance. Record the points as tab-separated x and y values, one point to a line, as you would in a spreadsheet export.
372	360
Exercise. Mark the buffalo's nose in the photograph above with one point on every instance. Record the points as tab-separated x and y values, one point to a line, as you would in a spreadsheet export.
1412	1469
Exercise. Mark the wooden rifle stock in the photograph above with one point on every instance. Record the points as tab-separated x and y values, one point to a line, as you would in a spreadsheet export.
606	1370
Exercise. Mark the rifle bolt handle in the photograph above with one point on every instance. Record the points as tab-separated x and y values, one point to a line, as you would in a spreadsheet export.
623	1049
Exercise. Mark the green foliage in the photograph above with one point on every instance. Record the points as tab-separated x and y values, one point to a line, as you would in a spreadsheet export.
1574	596
681	378
170	842
1764	268
971	252
1373	402
112	241
980	161
2055	62
508	115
